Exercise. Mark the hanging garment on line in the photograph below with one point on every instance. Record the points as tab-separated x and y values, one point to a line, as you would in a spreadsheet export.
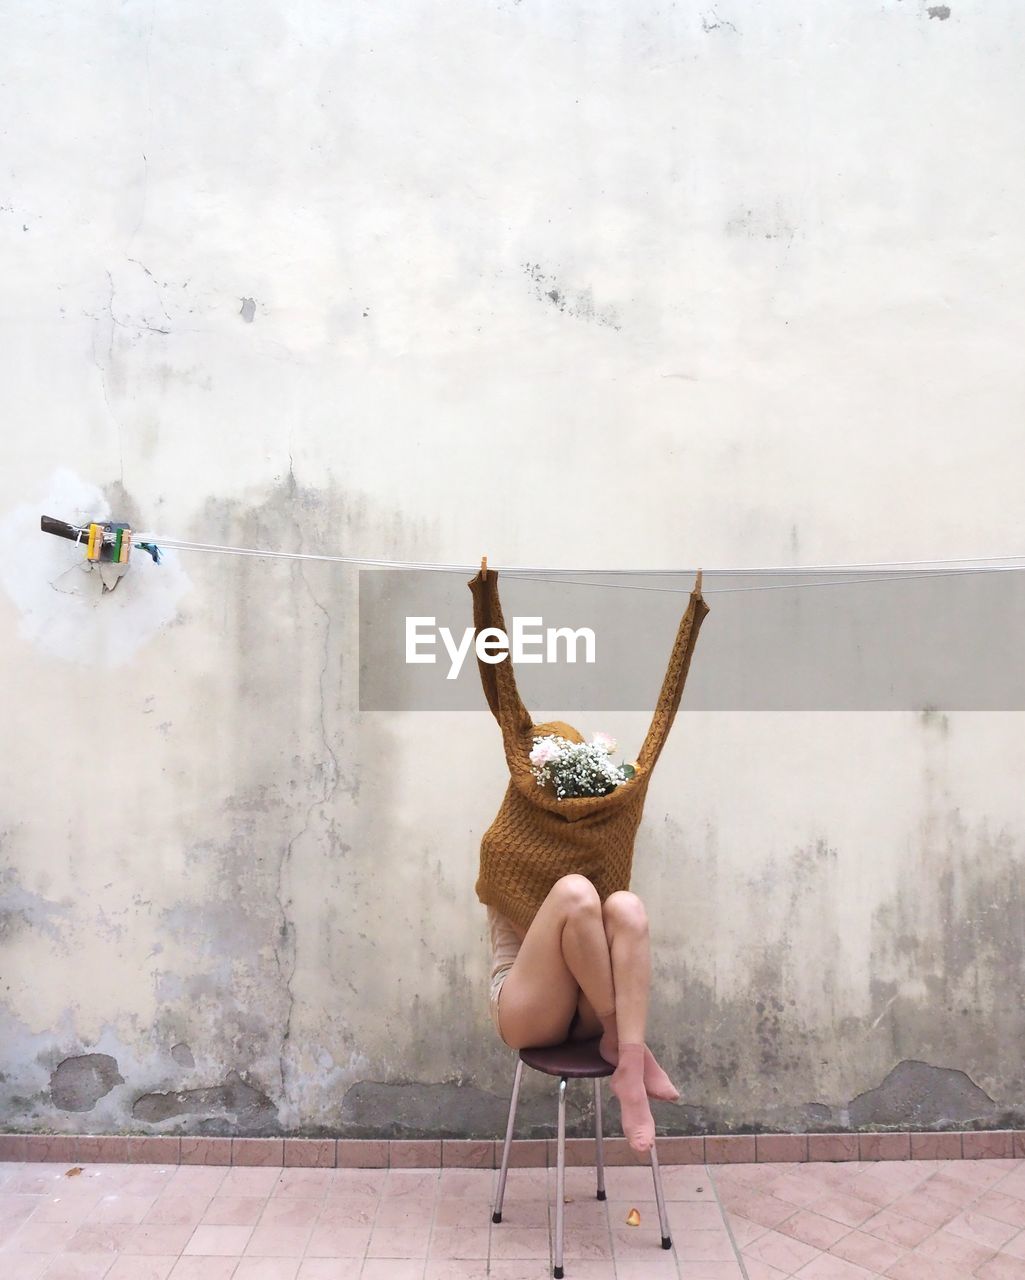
537	838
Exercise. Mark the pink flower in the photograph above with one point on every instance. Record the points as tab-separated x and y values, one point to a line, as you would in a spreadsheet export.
604	740
544	751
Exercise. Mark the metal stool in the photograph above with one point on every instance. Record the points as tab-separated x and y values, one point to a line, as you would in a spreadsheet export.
577	1060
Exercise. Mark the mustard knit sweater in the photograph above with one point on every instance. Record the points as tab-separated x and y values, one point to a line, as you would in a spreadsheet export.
535	837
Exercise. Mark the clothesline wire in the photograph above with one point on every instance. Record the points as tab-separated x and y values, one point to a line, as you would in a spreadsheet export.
532	573
777	586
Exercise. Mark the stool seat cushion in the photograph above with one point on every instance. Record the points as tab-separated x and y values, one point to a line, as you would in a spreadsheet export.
576	1059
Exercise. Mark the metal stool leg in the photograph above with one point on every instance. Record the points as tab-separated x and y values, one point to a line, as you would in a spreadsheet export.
599	1150
560	1180
507	1149
663	1221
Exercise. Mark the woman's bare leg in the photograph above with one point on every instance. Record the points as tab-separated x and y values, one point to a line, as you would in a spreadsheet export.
626	928
565	951
571	950
627	933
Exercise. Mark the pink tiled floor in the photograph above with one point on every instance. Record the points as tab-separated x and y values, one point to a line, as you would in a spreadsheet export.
900	1219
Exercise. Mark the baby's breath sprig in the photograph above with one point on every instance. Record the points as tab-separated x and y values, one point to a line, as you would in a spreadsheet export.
577	768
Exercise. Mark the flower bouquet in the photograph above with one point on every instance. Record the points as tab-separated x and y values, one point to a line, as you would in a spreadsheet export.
578	768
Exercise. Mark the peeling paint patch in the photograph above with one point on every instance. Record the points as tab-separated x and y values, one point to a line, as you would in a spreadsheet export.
78	1083
918	1094
182	1054
234	1107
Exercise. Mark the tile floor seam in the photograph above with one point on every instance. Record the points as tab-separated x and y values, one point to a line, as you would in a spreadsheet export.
492	1197
850	1230
430	1229
552	1185
963	1208
726	1222
490	1214
373	1227
963	1197
492	1203
608	1222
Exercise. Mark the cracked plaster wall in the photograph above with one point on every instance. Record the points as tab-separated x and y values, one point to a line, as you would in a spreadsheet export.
576	284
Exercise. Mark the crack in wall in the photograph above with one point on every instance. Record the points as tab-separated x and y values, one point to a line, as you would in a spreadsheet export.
149	129
160	297
714	22
104	371
330	780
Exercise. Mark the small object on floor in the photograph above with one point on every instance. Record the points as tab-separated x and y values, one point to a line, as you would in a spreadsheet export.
73	1173
633	1218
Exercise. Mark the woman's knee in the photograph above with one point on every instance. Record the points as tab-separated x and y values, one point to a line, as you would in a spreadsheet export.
625	910
577	893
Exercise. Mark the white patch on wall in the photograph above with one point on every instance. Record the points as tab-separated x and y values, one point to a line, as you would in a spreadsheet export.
59	596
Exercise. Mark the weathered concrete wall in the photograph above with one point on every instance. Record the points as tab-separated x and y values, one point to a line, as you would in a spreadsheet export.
580	283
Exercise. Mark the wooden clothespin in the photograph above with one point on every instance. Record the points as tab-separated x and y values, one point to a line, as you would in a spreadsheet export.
95	543
108	545
484	568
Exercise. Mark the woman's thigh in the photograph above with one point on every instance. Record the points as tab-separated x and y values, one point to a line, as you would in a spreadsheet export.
540	995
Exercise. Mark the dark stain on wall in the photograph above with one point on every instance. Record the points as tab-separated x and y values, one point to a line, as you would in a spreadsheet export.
933	718
955	930
576	302
374	1108
275	984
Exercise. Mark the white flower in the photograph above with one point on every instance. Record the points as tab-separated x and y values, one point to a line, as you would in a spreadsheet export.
576	768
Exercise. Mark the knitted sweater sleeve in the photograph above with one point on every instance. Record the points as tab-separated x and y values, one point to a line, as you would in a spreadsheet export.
675	678
499	679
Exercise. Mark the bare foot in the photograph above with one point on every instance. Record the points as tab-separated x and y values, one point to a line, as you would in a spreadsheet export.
627	1083
656	1083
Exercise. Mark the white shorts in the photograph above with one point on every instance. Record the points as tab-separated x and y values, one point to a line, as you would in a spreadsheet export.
496	989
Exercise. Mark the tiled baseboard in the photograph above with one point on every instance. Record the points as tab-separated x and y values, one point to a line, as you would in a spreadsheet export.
357	1153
